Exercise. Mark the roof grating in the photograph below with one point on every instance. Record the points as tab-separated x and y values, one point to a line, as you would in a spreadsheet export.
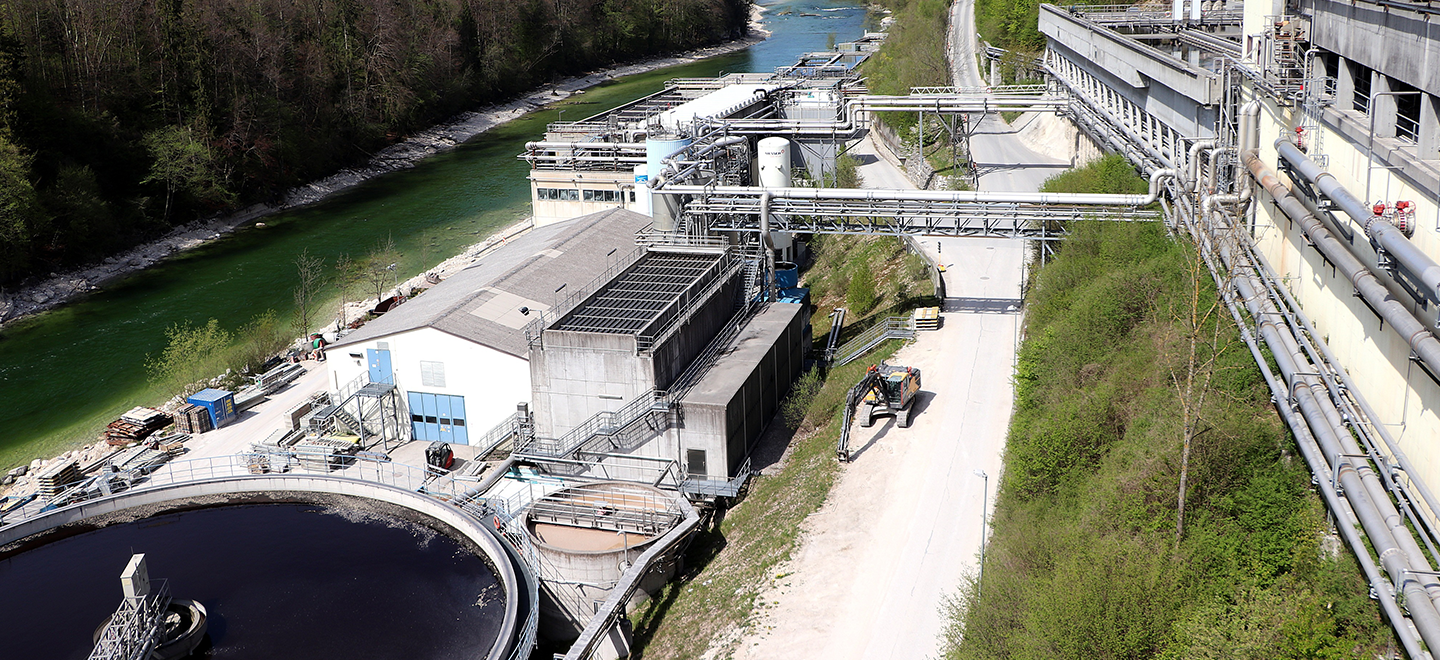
637	297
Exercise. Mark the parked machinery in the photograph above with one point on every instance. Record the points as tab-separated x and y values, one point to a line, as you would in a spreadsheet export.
885	390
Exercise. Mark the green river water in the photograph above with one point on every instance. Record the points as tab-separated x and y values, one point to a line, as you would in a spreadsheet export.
64	374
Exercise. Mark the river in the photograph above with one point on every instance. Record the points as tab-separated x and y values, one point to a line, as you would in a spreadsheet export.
65	373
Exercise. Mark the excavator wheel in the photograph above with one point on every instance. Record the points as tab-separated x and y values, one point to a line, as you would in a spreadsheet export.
867	417
902	418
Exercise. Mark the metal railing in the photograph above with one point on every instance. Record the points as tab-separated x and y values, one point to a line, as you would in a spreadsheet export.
604	423
135	629
894	327
535	329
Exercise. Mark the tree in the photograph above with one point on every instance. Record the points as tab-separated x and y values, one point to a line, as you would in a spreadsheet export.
860	293
1193	385
312	278
347	274
21	218
380	268
185	164
191	356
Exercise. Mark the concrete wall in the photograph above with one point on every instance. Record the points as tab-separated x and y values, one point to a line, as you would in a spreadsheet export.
726	412
1129	61
1403	44
491	381
1377	358
576	375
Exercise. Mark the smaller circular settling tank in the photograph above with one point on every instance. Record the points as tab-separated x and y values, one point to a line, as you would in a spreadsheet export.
587	536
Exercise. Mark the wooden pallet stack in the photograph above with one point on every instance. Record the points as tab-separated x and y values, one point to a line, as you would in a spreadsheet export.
927	318
135	425
193	419
56	477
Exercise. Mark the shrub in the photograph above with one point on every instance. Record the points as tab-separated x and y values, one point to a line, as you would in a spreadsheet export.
860	293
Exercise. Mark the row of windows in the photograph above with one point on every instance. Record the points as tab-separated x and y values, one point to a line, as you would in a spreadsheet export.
573	195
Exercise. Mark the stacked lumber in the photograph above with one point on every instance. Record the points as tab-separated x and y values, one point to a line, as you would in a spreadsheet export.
927	318
134	426
193	419
56	477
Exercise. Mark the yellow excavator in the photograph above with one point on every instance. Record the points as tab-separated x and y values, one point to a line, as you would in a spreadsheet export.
885	390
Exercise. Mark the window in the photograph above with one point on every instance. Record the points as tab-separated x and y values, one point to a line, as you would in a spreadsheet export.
432	374
695	459
1407	111
612	196
1361	74
558	194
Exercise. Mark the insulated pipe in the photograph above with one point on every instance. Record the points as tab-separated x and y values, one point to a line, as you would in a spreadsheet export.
1294	368
668	171
1193	182
931	195
630	146
1249	139
1391	310
1384	234
1419	337
1309	450
769	242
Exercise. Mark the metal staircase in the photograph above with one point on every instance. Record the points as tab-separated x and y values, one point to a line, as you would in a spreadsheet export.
606	430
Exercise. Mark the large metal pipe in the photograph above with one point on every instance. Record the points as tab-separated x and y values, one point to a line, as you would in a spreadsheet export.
1390	308
1310	451
1338	446
1192	183
1386	235
769	242
1341	443
1081	199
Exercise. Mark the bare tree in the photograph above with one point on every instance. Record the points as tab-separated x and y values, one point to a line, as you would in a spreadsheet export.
347	274
380	268
307	291
1193	386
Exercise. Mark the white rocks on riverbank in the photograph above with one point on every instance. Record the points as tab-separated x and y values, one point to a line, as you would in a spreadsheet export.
59	288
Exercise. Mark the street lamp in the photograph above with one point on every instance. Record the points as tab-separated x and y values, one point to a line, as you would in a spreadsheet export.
984	501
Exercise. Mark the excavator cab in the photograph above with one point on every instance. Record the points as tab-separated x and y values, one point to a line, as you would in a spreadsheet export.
893	393
885	390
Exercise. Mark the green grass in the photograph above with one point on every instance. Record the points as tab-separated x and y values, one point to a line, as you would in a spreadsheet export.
1084	560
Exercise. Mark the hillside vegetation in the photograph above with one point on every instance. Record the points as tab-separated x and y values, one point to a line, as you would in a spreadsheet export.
1127	354
119	118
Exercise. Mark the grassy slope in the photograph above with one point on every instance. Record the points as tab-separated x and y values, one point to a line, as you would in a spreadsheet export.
1083	562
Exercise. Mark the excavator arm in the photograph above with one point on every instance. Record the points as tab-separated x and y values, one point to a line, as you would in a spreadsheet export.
852	401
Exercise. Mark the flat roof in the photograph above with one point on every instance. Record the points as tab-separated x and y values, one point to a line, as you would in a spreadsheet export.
482	303
635	298
733	368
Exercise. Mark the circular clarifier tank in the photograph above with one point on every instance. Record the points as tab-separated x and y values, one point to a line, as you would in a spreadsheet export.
587	536
282	573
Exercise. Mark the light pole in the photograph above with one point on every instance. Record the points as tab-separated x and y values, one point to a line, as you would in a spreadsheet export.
984	501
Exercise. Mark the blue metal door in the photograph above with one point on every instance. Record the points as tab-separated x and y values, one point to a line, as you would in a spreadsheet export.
457	417
442	410
379	365
417	417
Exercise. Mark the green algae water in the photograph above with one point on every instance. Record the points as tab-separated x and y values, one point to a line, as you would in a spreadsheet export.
65	373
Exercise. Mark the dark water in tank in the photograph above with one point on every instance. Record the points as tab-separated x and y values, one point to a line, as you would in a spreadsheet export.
281	581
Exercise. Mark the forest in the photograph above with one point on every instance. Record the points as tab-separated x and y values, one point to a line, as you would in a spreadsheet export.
122	118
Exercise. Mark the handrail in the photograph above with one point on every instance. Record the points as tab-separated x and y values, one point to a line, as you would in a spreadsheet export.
894	327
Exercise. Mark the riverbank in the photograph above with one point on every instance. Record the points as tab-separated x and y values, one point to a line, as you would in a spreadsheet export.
60	288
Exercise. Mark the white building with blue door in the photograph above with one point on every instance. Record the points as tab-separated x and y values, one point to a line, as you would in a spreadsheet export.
457	352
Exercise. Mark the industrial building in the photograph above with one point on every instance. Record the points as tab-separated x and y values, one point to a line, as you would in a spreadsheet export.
457	352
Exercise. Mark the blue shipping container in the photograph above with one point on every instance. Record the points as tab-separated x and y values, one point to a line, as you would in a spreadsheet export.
220	403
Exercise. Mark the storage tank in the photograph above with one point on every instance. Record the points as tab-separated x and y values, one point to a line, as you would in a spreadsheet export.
774	162
657	149
586	537
774	166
